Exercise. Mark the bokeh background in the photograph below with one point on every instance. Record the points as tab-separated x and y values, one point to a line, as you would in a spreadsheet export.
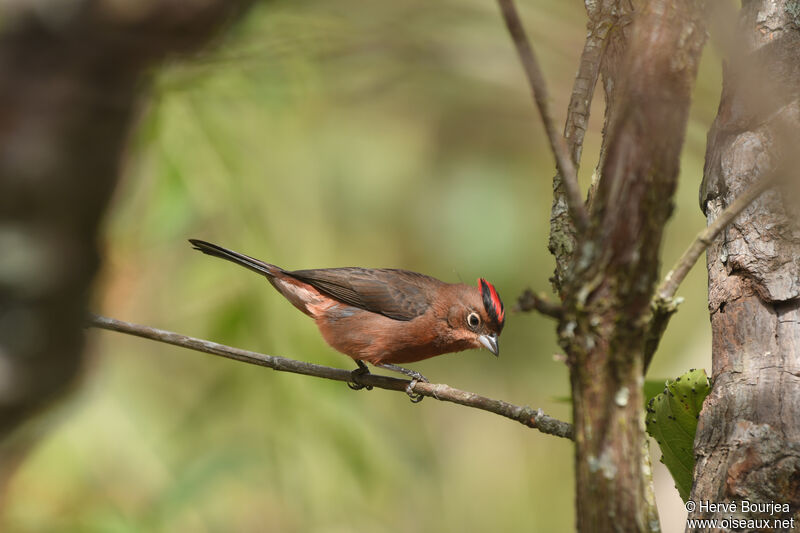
336	133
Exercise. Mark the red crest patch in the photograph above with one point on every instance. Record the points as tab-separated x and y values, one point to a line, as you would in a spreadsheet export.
492	301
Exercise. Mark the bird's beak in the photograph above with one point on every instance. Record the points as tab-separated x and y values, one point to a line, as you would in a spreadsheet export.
490	343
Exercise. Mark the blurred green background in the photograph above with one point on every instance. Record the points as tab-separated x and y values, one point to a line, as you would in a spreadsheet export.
320	134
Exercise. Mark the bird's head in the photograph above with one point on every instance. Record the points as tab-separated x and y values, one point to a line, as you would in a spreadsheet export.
479	317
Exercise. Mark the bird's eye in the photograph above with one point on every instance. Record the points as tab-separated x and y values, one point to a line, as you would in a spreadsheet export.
473	320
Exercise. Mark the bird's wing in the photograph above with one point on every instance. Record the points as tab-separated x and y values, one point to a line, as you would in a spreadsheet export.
397	294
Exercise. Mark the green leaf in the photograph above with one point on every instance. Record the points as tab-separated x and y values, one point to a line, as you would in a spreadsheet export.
652	388
672	421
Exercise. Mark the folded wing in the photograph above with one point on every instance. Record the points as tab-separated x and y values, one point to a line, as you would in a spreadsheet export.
397	294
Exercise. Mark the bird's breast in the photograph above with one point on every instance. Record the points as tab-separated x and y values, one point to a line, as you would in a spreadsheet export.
376	338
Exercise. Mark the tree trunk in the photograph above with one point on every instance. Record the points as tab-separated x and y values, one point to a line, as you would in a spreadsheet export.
748	438
616	265
71	76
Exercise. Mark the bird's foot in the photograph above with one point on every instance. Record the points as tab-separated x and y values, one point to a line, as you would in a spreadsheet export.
413	396
356	374
415	376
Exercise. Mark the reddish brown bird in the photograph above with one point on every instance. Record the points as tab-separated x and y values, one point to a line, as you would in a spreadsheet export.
385	316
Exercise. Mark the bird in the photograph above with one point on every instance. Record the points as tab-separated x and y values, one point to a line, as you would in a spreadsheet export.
385	316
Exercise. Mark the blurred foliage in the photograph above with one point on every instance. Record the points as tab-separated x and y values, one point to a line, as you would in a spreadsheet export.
322	134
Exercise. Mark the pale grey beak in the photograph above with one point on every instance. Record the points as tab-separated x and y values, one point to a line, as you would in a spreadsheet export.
490	343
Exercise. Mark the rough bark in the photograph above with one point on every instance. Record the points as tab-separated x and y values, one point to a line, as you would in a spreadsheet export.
616	265
748	438
71	75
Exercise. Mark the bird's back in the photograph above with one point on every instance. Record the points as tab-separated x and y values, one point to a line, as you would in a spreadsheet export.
394	293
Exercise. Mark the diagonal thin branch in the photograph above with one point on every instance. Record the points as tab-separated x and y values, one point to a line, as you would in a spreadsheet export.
704	239
539	89
527	416
664	305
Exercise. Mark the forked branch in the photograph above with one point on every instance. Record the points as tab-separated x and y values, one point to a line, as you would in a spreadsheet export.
603	16
533	418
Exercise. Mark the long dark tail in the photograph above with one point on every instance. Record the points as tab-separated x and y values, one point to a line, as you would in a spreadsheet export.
235	257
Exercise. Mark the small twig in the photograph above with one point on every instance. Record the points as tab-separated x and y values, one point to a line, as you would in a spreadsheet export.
525	415
539	89
662	311
530	301
704	239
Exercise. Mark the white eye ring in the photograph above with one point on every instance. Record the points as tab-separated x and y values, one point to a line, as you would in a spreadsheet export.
473	320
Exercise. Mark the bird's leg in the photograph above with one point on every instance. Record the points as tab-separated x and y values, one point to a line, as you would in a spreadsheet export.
356	374
413	374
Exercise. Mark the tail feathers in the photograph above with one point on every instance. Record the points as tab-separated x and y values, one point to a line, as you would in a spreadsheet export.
235	257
